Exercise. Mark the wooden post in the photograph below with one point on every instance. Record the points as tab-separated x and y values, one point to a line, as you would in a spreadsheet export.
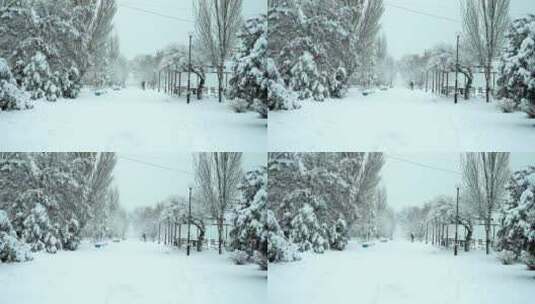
179	235
447	84
433	83
179	83
447	236
426	78
426	227
159	80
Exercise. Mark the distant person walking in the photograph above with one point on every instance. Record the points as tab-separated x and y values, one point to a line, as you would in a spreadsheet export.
144	237
412	85
412	237
143	85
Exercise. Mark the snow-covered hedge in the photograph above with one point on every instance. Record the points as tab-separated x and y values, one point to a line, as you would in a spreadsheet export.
11	249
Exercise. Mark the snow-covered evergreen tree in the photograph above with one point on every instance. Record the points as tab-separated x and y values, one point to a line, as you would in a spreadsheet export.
516	78
11	249
249	81
37	78
307	80
248	231
517	230
280	249
305	229
11	97
31	221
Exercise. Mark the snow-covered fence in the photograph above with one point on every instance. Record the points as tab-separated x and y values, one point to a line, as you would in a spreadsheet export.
442	82
174	233
173	80
442	234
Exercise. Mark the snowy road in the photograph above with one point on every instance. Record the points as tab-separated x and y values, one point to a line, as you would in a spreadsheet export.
131	120
399	273
131	272
399	120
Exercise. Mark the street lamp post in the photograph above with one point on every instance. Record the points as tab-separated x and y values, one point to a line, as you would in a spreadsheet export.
457	73
456	223
189	222
189	71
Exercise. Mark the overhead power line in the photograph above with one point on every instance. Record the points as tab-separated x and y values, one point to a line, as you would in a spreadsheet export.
415	163
155	13
155	165
422	13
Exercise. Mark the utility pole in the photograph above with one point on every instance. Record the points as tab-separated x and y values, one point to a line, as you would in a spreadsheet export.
189	222
189	82
457	81
456	223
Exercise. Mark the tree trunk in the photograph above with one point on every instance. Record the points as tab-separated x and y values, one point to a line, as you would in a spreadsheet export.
468	88
220	76
200	88
487	82
467	240
487	237
200	241
220	235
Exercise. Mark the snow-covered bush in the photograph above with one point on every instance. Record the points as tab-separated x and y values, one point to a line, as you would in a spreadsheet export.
507	257
70	83
516	79
240	257
528	259
11	97
338	235
240	105
70	235
11	249
508	105
338	83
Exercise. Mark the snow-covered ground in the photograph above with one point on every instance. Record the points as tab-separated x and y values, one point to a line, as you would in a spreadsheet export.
131	272
131	120
400	120
400	272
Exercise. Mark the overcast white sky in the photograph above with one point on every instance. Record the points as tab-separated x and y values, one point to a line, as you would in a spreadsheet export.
144	185
144	33
409	33
411	185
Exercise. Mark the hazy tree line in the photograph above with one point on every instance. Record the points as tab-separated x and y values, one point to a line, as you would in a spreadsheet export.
50	48
49	201
317	201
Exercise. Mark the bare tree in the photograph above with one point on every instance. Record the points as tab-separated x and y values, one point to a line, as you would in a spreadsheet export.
217	23
484	176
218	176
484	24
